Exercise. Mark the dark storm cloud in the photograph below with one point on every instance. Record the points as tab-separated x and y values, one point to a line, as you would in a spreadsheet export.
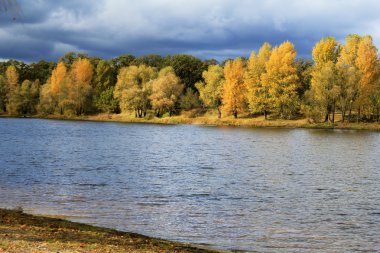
220	29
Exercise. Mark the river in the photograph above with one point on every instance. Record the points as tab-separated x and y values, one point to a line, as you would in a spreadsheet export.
242	189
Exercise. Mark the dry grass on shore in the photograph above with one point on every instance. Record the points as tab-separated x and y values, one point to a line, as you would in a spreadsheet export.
20	232
210	118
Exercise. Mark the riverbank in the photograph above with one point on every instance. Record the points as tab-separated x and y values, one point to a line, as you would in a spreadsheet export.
213	120
21	232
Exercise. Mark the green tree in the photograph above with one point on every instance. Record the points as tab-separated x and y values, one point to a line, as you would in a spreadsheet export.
188	68
189	100
151	60
28	97
103	84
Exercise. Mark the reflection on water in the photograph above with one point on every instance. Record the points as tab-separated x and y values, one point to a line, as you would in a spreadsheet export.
266	190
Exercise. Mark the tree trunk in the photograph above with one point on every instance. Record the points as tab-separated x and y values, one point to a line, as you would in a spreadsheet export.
333	113
349	113
219	112
358	118
235	114
327	117
343	115
265	114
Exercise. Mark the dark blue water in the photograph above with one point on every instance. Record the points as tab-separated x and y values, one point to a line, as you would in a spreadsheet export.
266	190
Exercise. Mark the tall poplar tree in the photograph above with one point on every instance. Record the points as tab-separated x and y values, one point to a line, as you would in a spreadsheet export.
324	91
234	88
258	91
282	79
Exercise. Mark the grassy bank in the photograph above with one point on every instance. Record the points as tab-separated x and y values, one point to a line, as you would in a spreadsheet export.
20	232
212	120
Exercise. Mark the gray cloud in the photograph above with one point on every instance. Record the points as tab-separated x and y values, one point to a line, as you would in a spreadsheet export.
208	29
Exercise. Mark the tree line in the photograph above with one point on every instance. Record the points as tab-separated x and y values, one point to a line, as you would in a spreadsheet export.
341	78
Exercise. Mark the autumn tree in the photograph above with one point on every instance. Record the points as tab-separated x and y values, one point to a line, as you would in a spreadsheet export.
348	75
13	89
281	77
58	83
258	91
3	94
234	89
368	65
133	88
166	90
79	85
210	91
324	91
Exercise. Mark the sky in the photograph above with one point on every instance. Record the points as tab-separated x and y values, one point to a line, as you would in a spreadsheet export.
208	29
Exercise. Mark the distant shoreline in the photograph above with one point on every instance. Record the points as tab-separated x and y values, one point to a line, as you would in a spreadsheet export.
258	122
24	232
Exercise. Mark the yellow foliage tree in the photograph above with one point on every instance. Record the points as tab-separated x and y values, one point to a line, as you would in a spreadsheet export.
325	50
57	87
348	75
257	91
282	79
79	85
234	88
133	88
12	90
324	90
368	64
166	90
210	91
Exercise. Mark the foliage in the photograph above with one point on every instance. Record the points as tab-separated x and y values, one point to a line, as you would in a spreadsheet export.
133	88
341	77
166	90
188	68
103	83
258	91
3	94
325	89
79	85
210	91
12	82
281	77
234	88
368	65
189	100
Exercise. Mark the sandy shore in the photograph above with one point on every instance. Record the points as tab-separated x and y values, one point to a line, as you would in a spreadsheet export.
20	232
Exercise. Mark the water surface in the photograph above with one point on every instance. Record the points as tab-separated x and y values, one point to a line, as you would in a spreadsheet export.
266	190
